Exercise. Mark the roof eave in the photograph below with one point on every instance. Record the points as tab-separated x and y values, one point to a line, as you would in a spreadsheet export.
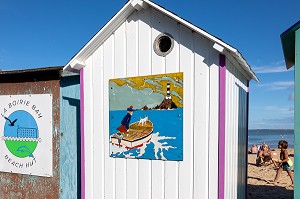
288	44
121	16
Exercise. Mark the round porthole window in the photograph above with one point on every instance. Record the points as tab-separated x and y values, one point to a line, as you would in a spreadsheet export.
163	44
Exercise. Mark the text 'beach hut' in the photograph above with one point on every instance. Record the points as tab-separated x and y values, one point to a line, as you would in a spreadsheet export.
165	109
40	134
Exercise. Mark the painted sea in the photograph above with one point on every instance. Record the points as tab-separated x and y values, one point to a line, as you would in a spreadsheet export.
271	136
166	142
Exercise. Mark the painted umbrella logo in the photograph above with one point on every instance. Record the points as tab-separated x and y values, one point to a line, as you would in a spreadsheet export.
21	134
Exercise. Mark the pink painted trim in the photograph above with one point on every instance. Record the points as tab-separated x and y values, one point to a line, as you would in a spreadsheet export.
82	134
222	113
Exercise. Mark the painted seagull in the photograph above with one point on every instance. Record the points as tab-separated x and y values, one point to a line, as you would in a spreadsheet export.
12	123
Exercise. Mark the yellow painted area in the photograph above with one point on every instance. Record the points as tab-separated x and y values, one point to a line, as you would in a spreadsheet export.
141	83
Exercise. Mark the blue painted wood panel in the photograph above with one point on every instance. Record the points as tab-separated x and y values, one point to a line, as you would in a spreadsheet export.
70	137
297	117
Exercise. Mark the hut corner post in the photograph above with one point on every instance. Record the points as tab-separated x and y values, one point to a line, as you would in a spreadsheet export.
82	133
222	113
297	116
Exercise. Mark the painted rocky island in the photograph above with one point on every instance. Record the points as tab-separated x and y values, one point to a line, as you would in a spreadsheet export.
166	104
146	117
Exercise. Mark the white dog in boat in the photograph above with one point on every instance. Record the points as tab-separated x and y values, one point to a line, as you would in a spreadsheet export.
143	120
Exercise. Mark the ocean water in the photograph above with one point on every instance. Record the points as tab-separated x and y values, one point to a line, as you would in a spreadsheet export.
271	136
166	142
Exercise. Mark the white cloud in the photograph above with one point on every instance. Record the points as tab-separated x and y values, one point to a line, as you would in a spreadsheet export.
273	123
277	67
281	110
281	85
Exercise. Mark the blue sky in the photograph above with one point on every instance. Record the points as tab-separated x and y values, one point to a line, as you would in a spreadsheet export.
36	34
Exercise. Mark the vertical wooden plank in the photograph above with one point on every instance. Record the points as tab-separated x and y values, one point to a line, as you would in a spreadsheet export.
120	71
144	64
229	140
297	114
110	165
239	81
201	117
132	70
186	169
172	65
235	106
98	95
88	127
231	136
158	67
241	140
70	139
222	119
213	121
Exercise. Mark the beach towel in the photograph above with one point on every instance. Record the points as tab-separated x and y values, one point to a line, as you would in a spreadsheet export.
290	162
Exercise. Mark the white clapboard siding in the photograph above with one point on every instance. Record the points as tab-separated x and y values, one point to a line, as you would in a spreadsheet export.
201	118
236	132
186	63
128	52
88	127
98	133
132	70
120	71
171	176
109	163
144	65
213	139
158	67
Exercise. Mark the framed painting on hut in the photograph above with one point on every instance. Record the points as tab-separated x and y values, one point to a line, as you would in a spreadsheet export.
146	117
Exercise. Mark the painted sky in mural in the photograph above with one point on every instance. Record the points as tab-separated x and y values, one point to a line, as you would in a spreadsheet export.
146	117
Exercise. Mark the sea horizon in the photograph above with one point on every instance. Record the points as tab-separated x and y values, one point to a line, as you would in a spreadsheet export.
270	136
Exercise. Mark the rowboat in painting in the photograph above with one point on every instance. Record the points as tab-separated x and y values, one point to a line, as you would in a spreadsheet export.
138	134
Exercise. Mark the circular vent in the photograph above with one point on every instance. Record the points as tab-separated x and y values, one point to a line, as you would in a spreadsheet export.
163	44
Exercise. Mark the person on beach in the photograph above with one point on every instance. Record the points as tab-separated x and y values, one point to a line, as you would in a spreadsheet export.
260	146
254	149
285	162
124	128
264	155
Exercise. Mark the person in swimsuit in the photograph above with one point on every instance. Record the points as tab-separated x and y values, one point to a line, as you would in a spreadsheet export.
263	155
284	161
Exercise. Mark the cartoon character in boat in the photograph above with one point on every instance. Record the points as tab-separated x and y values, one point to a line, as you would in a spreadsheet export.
133	135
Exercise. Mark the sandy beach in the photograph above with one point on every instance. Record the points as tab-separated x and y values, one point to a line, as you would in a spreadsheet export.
259	178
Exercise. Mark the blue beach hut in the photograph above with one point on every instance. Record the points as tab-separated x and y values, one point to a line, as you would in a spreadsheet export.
290	40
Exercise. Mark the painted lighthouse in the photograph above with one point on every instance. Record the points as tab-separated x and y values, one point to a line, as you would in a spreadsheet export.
168	96
167	103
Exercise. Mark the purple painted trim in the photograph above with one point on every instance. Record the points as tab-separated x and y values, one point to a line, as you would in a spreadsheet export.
222	113
82	134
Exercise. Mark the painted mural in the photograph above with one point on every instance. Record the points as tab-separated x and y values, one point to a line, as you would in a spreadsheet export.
26	134
146	117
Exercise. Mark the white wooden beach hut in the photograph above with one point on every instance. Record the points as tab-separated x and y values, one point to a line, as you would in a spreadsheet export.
215	124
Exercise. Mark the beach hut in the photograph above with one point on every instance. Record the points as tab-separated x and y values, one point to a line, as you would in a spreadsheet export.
40	133
147	50
291	50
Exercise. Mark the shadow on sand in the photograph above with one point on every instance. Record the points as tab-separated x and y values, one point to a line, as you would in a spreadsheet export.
269	191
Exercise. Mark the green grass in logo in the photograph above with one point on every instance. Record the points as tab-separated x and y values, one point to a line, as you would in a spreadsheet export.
21	149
